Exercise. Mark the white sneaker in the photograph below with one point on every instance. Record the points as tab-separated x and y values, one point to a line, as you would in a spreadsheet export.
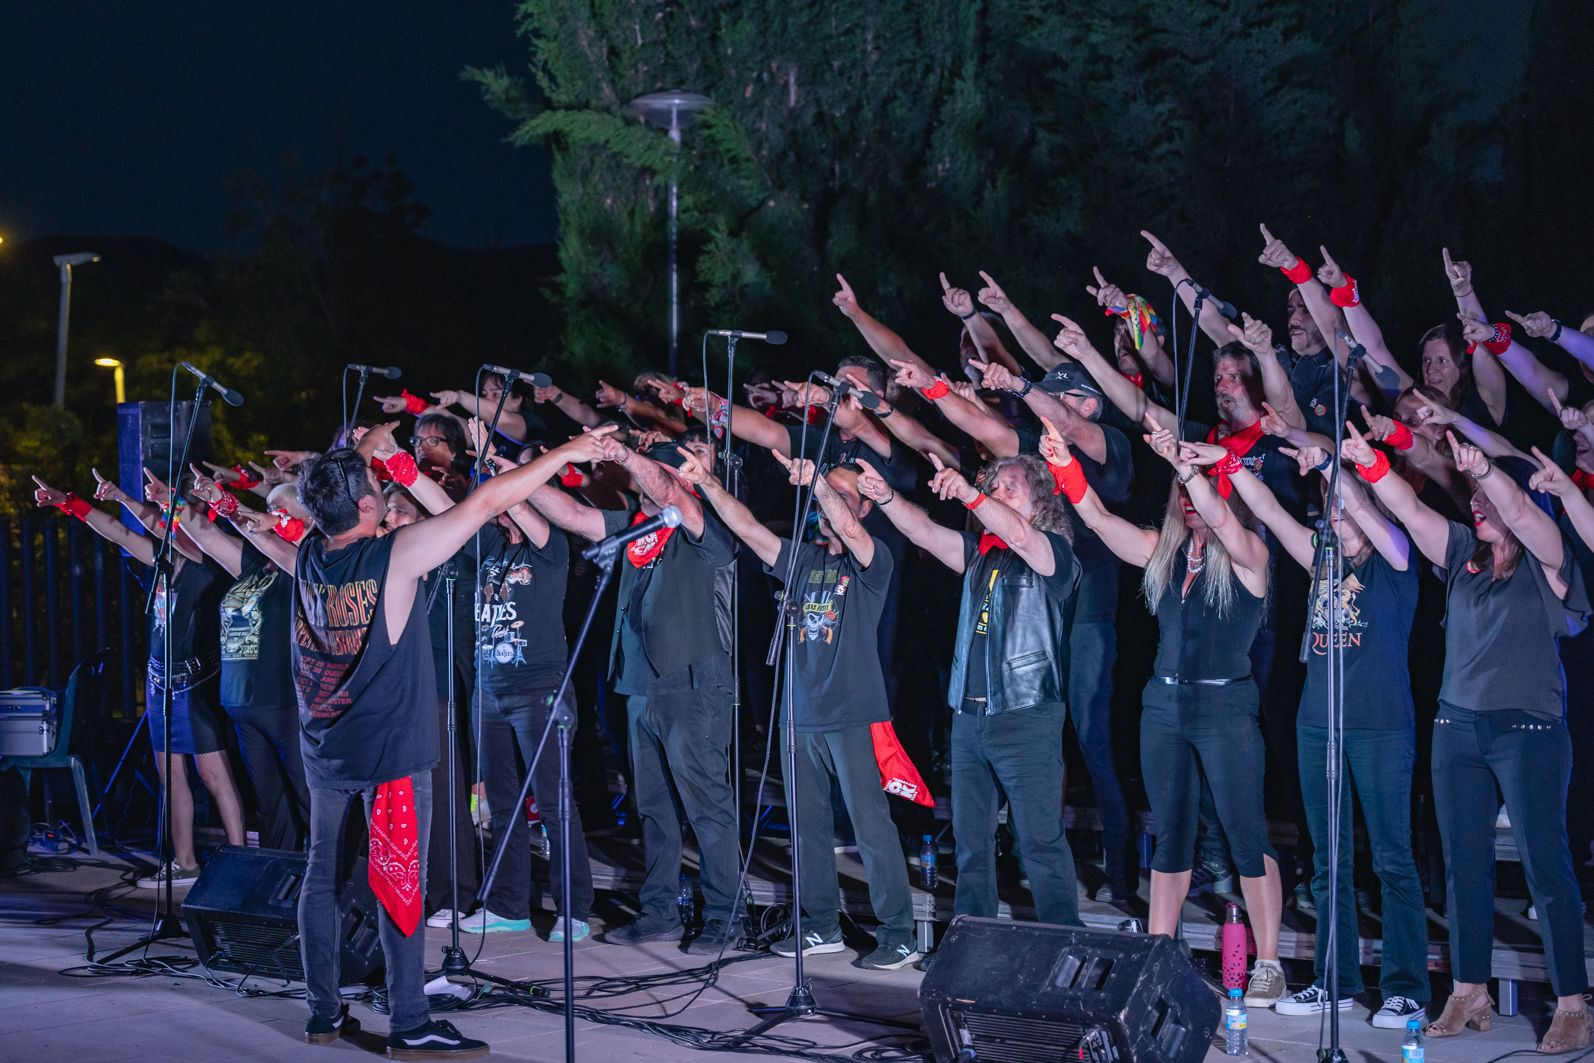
180	876
487	922
443	917
1396	1012
1503	820
1266	985
1313	1000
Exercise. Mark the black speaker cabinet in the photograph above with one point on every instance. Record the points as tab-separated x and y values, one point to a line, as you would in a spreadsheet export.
145	438
1004	992
243	917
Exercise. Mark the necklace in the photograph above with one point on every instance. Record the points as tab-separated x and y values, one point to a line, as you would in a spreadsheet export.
1193	562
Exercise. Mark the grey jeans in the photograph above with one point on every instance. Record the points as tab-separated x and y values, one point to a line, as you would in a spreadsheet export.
320	936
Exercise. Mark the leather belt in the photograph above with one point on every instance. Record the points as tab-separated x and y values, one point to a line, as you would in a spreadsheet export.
1182	681
187	672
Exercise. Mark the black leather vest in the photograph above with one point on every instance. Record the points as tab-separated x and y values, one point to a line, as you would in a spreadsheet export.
1027	646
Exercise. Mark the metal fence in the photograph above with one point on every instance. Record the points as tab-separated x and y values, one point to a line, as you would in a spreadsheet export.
66	593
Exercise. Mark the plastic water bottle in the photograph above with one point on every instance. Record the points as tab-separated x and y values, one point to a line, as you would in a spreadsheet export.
684	900
1233	948
1236	1036
1411	1047
927	872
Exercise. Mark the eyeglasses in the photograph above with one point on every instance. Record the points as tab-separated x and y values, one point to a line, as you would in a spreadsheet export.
427	441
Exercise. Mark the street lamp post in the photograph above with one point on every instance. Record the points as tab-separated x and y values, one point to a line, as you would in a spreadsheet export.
672	111
66	262
115	365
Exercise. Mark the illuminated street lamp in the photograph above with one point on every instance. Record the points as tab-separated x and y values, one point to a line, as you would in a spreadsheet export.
114	363
672	111
66	262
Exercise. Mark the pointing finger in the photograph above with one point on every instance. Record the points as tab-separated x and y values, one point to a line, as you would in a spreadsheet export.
1099	278
936	461
946	285
1266	236
990	282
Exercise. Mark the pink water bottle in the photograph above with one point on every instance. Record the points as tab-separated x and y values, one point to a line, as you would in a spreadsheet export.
1233	948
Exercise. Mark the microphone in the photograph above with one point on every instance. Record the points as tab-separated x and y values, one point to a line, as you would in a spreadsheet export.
868	399
1221	306
669	517
389	371
538	380
774	337
231	397
1355	351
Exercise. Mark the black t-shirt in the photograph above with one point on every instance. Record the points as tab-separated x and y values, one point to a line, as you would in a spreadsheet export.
668	635
1501	636
839	682
1196	642
367	704
196	621
1097	598
982	572
520	642
256	635
1377	603
1312	381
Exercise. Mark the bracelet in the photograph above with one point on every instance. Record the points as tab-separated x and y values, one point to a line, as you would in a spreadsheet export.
888	501
1376	471
1488	469
73	506
1346	295
1555	337
883	411
1184	481
968	315
1025	390
939	390
1323	465
979	498
1400	437
1299	273
1502	339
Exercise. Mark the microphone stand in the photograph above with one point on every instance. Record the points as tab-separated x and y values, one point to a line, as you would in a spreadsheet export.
1328	568
1181	398
166	925
782	648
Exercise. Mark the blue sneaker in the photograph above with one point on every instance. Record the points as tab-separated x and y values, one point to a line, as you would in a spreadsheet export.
580	930
485	922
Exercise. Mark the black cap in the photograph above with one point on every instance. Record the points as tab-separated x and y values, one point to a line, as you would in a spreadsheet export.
1069	377
670	452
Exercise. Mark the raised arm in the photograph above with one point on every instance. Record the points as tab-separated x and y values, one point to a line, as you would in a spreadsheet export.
140	547
565	512
1079	432
1530	524
743	421
510	422
1257	338
885	343
1031	340
1001	520
737	517
567	404
912	433
1161	261
942	543
1246	548
1429	530
859	543
1387	375
1121	391
1294	536
1487	375
1314	293
1552	479
1383	533
1149	349
1492	443
1542	382
226	550
984	427
960	304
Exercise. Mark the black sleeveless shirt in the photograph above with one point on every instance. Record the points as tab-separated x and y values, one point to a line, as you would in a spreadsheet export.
367	707
1197	643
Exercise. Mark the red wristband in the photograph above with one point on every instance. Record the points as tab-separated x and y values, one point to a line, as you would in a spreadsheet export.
1347	294
225	506
1502	339
939	390
975	504
74	506
1299	273
1400	437
1069	481
401	468
572	477
247	479
289	529
413	403
1374	472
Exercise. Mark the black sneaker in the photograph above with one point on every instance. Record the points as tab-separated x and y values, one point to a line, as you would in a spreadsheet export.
890	957
319	1031
643	929
813	942
709	940
435	1040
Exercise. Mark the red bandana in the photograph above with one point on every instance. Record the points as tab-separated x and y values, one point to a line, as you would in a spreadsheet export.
289	529
247	479
1238	444
1582	479
897	774
642	552
1137	378
395	864
987	540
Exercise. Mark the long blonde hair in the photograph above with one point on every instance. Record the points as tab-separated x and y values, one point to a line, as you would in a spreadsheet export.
1171	537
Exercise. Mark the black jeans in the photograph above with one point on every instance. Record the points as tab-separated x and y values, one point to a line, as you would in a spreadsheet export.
847	757
680	749
512	725
320	936
1093	648
1181	745
1530	759
268	739
1379	765
1020	753
440	876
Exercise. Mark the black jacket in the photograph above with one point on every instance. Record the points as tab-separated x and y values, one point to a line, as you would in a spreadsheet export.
1027	663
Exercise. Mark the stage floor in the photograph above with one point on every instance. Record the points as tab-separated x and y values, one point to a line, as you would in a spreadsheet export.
47	1015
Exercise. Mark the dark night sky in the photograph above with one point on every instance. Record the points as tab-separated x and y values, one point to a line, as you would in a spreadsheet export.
126	119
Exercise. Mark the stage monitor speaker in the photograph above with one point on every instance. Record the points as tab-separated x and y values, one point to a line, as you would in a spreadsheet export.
145	438
243	917
1005	992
